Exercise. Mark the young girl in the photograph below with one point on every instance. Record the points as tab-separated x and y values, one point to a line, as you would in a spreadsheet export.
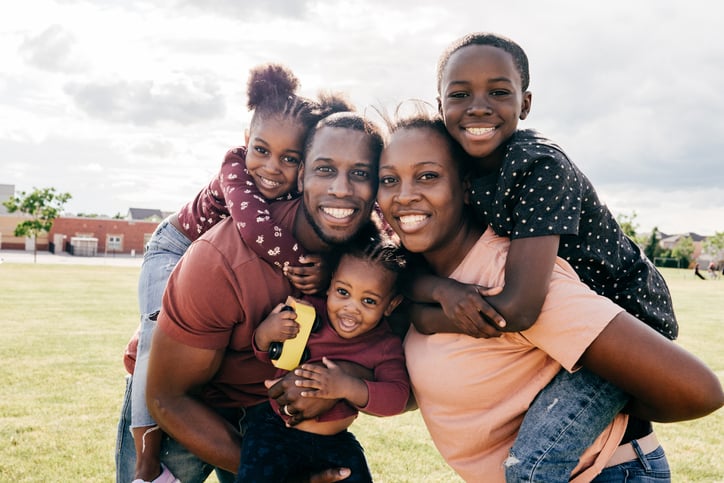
525	188
473	392
362	293
265	170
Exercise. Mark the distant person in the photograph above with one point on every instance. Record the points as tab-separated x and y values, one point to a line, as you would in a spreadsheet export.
712	270
362	293
251	177
697	273
526	188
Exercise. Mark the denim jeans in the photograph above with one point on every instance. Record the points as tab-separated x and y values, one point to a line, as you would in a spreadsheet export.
649	468
184	465
163	251
564	419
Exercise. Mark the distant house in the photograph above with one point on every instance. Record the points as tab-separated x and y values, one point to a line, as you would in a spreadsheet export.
144	214
669	241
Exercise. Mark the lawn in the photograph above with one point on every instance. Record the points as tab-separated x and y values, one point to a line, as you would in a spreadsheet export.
64	328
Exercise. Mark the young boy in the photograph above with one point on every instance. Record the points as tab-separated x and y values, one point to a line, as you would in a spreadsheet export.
361	294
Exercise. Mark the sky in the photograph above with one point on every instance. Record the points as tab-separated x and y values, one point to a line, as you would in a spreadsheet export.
133	103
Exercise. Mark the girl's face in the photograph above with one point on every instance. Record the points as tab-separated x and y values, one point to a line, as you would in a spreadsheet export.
421	193
274	153
360	294
481	100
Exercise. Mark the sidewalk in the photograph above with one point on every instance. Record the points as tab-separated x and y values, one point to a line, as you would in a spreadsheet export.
47	258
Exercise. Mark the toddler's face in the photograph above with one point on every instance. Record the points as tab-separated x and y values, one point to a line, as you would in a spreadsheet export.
481	100
360	294
274	153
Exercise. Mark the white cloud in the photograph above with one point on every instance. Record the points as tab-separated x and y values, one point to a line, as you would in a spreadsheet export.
154	91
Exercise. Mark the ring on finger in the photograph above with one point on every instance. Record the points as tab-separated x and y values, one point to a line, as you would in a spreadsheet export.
285	410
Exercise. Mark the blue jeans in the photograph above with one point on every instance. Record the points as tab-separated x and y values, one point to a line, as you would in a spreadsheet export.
649	468
273	452
182	463
564	419
163	251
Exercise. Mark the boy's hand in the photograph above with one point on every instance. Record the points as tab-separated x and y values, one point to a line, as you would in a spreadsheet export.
311	277
277	327
328	381
466	306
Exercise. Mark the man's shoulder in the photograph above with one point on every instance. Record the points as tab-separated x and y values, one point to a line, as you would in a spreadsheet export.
227	232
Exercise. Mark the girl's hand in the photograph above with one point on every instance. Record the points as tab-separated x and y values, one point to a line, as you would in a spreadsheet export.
277	327
311	277
465	305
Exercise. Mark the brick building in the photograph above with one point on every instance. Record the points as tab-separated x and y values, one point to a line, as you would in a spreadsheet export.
112	235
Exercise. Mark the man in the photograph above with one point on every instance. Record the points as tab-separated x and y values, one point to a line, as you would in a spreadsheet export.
202	369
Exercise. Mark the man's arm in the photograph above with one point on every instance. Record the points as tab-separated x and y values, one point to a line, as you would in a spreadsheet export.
176	374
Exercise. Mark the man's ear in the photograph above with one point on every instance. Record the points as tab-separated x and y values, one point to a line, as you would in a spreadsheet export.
300	178
525	107
393	304
439	105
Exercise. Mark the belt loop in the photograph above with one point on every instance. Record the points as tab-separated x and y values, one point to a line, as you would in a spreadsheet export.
641	455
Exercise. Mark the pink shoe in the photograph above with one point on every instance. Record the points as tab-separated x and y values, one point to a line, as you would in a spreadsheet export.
165	477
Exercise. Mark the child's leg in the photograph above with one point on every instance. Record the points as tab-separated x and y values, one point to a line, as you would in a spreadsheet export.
564	419
164	250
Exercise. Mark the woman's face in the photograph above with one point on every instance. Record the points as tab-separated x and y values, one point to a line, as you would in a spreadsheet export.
421	194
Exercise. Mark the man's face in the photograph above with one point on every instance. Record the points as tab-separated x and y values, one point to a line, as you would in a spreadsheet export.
338	182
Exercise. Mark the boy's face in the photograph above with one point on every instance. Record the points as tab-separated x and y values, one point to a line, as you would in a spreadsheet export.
360	294
481	100
274	153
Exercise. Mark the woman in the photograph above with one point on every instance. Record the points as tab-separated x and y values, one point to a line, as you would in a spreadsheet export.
473	392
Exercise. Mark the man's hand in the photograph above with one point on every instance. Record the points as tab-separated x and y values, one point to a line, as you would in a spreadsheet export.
287	393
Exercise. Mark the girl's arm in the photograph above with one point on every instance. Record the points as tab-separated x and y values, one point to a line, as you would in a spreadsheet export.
667	382
250	211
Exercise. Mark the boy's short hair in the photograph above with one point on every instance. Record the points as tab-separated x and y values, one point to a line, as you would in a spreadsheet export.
520	59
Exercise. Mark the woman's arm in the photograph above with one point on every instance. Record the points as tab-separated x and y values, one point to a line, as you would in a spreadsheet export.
667	382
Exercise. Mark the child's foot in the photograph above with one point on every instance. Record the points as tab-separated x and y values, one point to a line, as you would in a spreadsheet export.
165	477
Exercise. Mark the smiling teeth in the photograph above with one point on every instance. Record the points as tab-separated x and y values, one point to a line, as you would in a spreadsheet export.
338	213
412	219
268	182
477	131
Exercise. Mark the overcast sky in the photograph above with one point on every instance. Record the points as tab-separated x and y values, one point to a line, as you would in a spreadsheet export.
133	103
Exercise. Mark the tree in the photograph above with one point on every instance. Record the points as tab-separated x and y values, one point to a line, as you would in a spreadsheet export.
683	250
628	224
43	206
652	248
714	246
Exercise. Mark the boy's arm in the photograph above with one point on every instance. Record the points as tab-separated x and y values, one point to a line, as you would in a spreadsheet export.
528	270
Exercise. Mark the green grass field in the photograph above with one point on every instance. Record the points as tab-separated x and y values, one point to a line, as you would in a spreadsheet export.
64	328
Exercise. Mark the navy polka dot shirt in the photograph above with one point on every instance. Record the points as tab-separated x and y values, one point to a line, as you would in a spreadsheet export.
539	192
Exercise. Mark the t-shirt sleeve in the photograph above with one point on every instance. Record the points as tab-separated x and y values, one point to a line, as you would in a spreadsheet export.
548	198
250	211
571	318
390	389
192	311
